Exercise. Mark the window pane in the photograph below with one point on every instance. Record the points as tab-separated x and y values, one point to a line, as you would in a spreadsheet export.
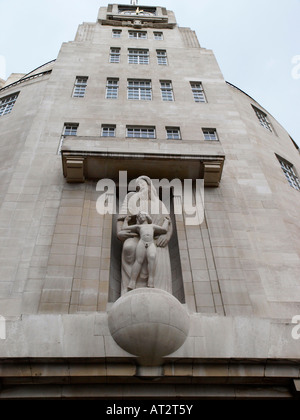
140	90
108	131
137	35
167	91
173	133
80	87
290	174
6	104
115	55
262	117
112	89
146	133
158	36
116	33
210	134
162	57
198	92
70	129
138	56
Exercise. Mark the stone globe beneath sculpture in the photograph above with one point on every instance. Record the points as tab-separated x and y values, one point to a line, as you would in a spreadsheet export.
149	323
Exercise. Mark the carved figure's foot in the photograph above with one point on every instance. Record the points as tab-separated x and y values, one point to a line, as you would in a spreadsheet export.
131	286
151	284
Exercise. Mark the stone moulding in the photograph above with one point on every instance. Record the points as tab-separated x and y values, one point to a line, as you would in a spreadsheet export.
222	357
79	165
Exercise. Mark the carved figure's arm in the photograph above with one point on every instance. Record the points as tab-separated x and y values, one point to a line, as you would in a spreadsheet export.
164	239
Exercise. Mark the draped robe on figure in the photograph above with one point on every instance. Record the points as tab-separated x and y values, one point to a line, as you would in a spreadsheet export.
162	271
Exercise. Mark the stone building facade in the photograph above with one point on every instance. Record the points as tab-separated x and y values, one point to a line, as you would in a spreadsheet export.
135	93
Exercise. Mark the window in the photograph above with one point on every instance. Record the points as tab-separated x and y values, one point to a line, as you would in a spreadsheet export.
141	132
167	91
7	103
80	87
290	173
108	131
137	34
140	90
162	57
70	129
158	36
138	56
115	54
112	88
116	33
263	119
198	92
173	133
210	134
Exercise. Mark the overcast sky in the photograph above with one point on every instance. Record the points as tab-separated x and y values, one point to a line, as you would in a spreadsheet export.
256	42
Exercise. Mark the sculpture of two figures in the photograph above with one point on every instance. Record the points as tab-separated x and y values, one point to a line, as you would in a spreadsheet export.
145	228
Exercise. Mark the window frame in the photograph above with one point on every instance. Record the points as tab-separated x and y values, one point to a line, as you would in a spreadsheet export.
7	103
171	133
115	55
72	129
198	92
138	56
110	130
139	89
80	87
116	33
139	34
112	88
137	131
162	60
212	134
290	173
263	119
167	92
158	36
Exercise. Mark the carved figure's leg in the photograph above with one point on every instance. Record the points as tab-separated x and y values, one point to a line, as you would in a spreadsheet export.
136	268
151	255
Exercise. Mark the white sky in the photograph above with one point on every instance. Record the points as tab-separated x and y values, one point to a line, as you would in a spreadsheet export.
256	42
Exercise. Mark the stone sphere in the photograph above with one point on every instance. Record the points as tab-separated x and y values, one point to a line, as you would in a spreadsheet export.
149	323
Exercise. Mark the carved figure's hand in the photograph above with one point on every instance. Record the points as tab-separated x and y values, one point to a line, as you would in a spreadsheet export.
126	234
162	241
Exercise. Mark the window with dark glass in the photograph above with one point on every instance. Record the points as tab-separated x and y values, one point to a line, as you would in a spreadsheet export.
290	173
263	119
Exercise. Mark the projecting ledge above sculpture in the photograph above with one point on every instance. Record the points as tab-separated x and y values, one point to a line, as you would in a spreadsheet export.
84	158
